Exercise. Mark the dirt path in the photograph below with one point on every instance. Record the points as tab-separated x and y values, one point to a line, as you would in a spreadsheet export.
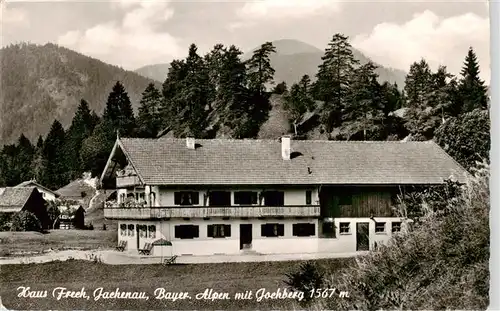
116	258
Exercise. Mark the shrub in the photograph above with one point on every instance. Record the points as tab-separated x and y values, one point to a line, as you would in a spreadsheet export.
441	264
309	276
25	221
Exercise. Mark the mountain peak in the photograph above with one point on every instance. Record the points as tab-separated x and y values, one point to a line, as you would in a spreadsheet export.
292	46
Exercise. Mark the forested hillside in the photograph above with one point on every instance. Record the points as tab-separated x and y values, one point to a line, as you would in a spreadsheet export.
43	83
220	95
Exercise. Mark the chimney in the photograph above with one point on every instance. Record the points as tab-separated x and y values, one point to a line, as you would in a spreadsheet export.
190	142
285	147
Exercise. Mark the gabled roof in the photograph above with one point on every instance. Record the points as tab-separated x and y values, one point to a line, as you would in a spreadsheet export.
259	162
13	199
33	183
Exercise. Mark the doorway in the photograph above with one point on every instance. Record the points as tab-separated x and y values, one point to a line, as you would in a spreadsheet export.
362	236
245	236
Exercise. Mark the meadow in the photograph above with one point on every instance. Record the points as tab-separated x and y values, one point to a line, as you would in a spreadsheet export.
228	278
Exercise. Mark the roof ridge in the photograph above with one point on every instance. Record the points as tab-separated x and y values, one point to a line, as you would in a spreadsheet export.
277	139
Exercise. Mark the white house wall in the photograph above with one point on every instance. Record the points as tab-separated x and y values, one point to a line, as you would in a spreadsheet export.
204	245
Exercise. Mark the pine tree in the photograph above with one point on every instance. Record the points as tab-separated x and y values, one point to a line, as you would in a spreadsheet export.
362	113
38	163
259	69
233	95
260	73
333	78
81	127
119	112
472	91
55	174
26	152
149	119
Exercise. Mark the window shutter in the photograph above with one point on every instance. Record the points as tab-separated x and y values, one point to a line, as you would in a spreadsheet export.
177	229
227	230
237	196
177	198
263	231
210	231
281	230
195	198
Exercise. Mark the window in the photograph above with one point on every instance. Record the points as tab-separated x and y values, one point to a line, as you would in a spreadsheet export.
345	227
272	230
245	197
143	231
304	229
122	198
186	198
219	198
218	231
123	229
308	197
396	226
187	232
379	227
274	198
152	231
130	230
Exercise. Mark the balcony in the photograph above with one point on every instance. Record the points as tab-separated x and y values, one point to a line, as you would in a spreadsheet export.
204	211
127	181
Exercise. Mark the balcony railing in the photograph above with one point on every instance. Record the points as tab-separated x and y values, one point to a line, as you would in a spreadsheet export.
205	211
127	181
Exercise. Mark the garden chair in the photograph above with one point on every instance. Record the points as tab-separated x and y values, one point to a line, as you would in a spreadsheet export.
169	261
121	246
147	249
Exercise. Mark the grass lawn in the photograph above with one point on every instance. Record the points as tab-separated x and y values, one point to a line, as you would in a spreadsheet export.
17	242
193	279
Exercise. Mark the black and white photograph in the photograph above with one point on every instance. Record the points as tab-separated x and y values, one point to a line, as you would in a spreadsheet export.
246	155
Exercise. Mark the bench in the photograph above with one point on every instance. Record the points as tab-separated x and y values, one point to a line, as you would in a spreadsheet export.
121	246
170	260
147	249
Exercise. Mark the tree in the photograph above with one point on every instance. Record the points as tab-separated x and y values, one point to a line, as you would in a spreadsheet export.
149	119
25	154
259	69
472	91
280	88
55	174
119	112
333	79
428	98
299	100
38	164
466	138
362	113
97	148
81	127
259	73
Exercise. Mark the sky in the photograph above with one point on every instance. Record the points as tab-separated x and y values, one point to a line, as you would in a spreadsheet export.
134	33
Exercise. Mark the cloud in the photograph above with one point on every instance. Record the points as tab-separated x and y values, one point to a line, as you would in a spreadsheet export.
131	42
252	13
12	16
437	40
